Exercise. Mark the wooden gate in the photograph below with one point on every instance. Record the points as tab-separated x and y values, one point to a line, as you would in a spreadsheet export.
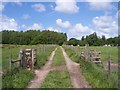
26	59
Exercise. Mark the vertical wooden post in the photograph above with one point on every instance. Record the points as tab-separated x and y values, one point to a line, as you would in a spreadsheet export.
10	62
32	58
86	52
109	64
23	59
20	57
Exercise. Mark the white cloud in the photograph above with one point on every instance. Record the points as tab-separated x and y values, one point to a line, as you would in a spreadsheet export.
18	2
80	30
100	6
66	7
65	24
106	24
77	31
7	23
35	26
26	16
54	29
39	7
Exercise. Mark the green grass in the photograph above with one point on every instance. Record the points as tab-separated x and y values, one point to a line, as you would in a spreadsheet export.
58	58
43	55
17	79
43	52
94	74
57	79
105	52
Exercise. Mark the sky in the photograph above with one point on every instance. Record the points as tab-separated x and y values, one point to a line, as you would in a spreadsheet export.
77	19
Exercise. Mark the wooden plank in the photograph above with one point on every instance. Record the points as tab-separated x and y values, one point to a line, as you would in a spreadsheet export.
15	61
27	50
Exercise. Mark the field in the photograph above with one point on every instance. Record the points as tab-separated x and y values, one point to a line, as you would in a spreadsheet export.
58	75
105	52
15	75
96	74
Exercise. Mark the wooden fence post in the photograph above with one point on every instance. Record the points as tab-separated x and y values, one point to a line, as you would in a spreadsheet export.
23	59
109	64
20	58
10	62
86	53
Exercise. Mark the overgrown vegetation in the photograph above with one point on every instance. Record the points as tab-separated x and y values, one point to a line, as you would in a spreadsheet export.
18	78
58	58
94	74
57	79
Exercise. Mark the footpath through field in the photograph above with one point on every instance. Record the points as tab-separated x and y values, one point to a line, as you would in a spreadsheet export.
41	74
78	80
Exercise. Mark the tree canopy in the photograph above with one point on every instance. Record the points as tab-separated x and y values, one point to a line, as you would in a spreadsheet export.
50	37
33	37
94	40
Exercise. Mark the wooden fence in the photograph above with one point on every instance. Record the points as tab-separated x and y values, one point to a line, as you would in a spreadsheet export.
91	55
26	59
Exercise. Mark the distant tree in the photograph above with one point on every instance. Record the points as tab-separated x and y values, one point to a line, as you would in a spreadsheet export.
82	38
73	42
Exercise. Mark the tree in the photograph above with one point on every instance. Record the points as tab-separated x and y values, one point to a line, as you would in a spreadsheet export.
33	37
73	42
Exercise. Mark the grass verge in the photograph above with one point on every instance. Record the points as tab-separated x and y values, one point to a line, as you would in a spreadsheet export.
57	79
17	79
94	74
58	58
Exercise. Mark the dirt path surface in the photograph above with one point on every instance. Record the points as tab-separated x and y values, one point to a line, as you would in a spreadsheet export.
77	79
41	74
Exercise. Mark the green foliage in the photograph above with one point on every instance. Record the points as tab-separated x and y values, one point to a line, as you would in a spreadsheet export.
94	40
58	58
57	79
73	42
33	37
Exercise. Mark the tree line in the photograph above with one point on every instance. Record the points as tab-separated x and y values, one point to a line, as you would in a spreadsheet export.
34	37
94	40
